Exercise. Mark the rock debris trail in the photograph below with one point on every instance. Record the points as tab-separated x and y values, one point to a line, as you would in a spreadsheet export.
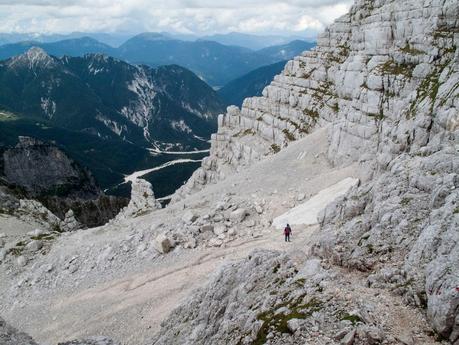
128	299
143	300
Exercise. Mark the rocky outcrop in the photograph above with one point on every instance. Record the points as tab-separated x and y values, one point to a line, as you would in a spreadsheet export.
142	200
70	223
402	229
384	81
90	341
280	304
41	171
11	336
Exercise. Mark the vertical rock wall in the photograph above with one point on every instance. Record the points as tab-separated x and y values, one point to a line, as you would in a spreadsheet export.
383	77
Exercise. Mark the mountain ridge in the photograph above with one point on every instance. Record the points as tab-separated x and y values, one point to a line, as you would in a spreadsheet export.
209	59
131	107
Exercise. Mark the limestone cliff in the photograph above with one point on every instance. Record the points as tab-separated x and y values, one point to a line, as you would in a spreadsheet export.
383	77
384	80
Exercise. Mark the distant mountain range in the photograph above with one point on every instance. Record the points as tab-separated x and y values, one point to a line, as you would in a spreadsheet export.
215	63
251	84
287	51
71	47
105	112
253	42
115	39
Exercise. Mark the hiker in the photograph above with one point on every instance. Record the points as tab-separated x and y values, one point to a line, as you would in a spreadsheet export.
287	233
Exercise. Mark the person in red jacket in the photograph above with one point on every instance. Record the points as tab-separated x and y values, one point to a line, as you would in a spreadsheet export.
287	233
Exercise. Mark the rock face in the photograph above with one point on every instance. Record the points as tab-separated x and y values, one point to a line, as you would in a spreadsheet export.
384	81
402	229
41	171
142	199
377	76
70	223
10	336
279	305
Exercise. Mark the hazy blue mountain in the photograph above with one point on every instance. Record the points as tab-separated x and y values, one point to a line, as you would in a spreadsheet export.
251	84
72	47
254	42
215	63
112	39
287	51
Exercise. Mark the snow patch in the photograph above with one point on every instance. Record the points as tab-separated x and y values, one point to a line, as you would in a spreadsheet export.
306	213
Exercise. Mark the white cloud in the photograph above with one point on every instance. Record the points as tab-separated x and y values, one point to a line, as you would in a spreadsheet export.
186	16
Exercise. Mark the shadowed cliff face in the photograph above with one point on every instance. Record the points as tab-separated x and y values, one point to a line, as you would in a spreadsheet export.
41	171
44	170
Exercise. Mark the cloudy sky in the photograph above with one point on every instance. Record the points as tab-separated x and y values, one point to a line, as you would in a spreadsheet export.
183	16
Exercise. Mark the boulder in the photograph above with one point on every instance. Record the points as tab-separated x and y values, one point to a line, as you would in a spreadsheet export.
349	338
189	217
21	261
238	215
163	244
293	325
207	228
36	232
34	246
190	244
251	223
219	229
215	242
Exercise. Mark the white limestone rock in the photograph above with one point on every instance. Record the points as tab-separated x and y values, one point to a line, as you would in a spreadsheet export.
142	200
238	215
34	246
70	223
219	229
189	217
163	244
